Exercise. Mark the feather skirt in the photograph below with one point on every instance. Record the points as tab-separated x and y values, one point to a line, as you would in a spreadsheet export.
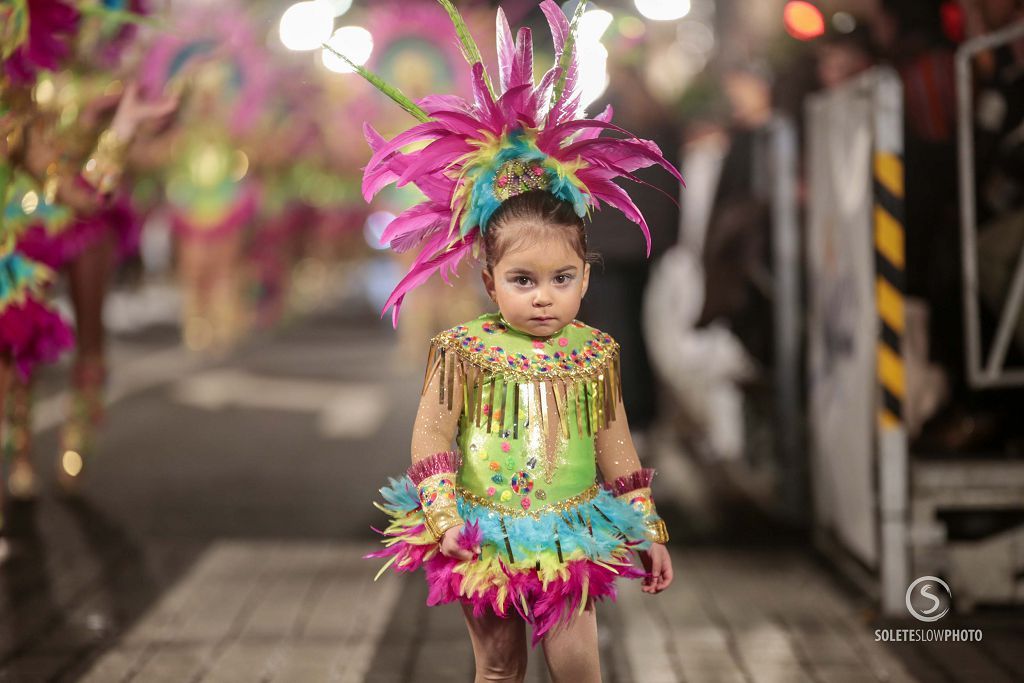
544	567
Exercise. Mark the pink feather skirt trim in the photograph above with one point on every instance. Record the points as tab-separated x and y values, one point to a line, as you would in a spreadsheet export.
32	333
546	569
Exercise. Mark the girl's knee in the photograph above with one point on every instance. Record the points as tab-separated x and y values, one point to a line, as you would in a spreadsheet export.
513	670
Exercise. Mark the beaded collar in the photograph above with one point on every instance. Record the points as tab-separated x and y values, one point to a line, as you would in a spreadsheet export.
578	367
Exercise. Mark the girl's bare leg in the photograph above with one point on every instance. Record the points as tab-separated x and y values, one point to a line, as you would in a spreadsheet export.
499	646
571	650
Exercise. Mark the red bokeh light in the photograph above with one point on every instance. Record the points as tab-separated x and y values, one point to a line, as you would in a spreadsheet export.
803	20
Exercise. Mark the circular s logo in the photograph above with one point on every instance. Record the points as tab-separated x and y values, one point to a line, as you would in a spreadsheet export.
925	598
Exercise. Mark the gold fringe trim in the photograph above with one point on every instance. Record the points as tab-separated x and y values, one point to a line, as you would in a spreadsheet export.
563	506
596	390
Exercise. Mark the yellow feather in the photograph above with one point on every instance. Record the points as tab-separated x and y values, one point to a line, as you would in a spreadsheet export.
385	567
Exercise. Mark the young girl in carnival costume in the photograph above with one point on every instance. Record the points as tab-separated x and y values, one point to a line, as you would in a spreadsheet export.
512	522
61	206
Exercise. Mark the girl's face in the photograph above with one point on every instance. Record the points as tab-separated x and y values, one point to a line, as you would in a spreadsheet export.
538	287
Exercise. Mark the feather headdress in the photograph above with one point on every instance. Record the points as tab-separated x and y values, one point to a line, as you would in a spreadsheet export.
527	134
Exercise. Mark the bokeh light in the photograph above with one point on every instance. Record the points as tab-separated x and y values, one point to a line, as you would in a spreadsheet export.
355	42
803	20
663	10
375	224
593	55
306	25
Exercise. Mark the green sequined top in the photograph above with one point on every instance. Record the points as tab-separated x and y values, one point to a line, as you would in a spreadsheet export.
530	409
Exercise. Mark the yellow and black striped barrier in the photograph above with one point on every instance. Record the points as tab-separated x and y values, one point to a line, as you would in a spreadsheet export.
890	265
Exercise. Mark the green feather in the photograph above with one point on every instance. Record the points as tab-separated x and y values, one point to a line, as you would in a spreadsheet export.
567	50
391	91
469	49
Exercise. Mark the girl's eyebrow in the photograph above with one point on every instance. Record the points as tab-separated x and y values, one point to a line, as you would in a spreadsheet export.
517	270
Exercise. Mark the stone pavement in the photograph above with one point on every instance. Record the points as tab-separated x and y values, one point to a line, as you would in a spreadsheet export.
220	535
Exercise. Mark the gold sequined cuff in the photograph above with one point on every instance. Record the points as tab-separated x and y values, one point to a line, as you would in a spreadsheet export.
440	521
437	498
105	165
657	532
643	502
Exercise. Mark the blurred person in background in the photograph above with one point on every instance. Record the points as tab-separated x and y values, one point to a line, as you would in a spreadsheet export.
73	135
999	152
623	268
841	56
736	259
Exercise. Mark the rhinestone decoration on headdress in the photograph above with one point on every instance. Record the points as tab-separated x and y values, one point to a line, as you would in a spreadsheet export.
516	177
472	144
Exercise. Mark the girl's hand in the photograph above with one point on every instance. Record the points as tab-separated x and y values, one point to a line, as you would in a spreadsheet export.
658	566
133	110
450	545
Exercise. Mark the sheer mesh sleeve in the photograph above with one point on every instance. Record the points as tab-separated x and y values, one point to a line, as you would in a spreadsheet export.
616	455
624	475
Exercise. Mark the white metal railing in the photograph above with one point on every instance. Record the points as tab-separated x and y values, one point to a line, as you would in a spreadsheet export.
991	371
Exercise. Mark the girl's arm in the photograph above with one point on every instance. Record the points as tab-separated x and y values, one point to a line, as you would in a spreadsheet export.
434	462
623	473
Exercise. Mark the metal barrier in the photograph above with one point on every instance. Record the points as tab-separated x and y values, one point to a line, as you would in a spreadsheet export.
993	371
855	252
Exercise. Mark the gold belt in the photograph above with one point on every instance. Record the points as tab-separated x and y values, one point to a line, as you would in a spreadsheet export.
560	506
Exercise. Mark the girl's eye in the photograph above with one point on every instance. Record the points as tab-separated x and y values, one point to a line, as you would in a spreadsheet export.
563	279
522	280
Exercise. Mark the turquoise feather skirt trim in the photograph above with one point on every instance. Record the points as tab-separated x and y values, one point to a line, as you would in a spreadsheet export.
598	529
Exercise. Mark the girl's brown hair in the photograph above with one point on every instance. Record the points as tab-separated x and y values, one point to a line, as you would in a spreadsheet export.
543	213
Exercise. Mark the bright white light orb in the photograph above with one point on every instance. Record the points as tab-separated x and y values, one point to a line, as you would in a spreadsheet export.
592	26
338	7
355	42
306	25
663	10
593	71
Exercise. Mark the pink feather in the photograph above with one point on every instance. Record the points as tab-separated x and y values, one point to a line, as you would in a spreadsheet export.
471	536
594	131
506	49
422	131
434	103
626	154
443	263
417	219
558	24
435	156
613	195
488	114
522	66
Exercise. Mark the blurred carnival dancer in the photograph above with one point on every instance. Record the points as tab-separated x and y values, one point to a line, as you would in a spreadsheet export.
513	524
215	56
73	127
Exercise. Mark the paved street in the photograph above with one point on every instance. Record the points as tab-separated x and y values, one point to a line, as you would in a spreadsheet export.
220	533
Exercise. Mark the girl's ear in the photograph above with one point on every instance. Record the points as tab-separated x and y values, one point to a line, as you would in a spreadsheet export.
488	279
586	279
